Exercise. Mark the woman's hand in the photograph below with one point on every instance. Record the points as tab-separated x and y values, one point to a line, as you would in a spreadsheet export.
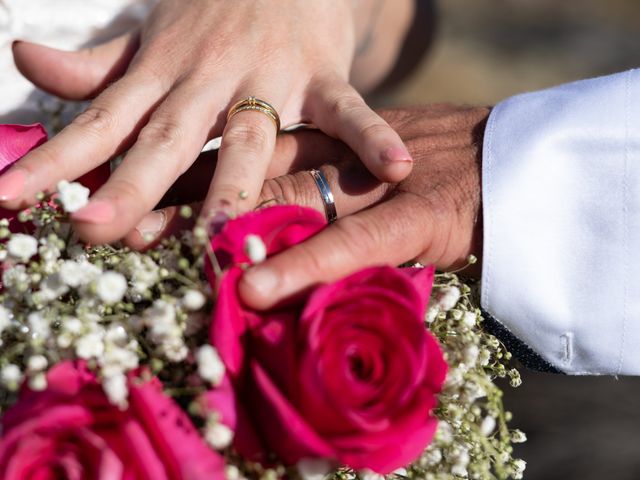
164	90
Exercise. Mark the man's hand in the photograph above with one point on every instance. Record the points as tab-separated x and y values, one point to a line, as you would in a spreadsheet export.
432	217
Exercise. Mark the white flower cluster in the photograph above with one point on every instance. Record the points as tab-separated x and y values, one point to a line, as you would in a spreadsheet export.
473	440
108	306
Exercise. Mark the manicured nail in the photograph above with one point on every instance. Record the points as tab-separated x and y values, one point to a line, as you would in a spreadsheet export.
217	221
12	185
396	155
151	225
97	211
262	280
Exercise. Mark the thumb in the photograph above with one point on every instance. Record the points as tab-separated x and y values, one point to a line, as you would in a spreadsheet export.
75	75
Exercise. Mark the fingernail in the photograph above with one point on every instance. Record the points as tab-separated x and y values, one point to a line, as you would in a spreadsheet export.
217	221
262	280
12	185
397	155
97	211
15	42
151	225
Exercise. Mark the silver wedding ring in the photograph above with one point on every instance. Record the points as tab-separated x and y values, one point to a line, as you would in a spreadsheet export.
325	193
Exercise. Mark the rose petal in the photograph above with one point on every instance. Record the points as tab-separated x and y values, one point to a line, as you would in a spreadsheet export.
174	437
279	227
279	423
17	140
229	323
402	443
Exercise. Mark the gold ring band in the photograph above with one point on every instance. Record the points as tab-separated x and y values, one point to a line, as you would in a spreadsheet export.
253	103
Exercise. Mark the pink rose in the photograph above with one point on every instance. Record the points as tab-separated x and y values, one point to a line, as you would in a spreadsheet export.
348	373
71	431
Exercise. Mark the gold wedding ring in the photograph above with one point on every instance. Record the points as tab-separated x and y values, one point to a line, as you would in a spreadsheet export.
253	103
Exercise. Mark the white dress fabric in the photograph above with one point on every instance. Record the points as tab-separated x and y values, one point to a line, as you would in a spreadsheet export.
561	201
66	24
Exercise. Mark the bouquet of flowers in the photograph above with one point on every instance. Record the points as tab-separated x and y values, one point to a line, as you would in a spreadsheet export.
117	364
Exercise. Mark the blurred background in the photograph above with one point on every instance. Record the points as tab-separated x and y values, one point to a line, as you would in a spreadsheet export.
485	51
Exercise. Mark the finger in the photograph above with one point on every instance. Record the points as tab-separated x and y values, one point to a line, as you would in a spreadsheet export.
352	186
338	110
102	131
165	148
390	233
161	224
75	75
248	142
304	150
293	153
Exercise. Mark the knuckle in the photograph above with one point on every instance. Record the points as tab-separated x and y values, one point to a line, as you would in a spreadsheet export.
162	134
45	158
360	237
250	136
97	120
228	194
345	104
314	263
374	129
273	190
289	189
124	192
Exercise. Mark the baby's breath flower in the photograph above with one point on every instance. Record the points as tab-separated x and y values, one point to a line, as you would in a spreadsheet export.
518	465
111	287
11	376
193	300
514	378
469	319
313	468
470	354
210	366
5	318
174	350
117	335
72	325
447	298
433	456
367	474
37	363
38	325
432	313
487	426
217	434
232	472
75	273
518	436
38	382
73	196
90	346
22	247
255	248
115	387
459	471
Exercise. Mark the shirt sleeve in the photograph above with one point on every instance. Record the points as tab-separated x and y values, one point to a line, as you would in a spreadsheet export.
561	210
